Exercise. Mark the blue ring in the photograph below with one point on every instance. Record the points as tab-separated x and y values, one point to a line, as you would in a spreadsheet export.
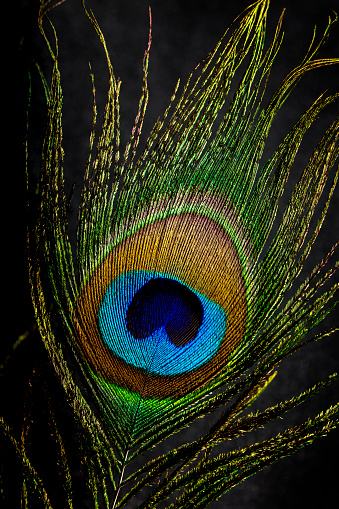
156	353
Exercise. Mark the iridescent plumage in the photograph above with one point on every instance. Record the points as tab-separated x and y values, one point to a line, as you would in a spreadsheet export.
177	300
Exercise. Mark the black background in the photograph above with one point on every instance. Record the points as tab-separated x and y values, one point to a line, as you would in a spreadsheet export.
183	33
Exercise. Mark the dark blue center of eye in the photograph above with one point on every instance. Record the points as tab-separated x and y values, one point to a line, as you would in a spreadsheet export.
163	302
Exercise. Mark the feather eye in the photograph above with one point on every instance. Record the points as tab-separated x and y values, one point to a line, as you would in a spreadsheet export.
167	306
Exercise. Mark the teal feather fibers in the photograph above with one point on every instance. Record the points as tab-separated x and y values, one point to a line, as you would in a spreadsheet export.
181	299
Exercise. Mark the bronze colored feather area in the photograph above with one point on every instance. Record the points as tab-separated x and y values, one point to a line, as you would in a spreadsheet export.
194	250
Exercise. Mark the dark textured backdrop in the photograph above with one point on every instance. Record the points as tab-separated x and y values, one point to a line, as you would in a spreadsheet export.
183	33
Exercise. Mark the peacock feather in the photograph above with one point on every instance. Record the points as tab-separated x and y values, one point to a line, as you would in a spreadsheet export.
181	295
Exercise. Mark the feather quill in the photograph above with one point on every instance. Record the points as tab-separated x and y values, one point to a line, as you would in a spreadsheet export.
180	297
